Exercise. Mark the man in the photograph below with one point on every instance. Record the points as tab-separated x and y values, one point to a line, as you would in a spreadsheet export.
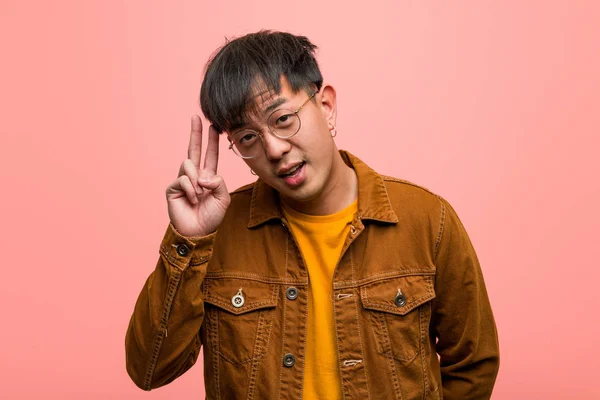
321	280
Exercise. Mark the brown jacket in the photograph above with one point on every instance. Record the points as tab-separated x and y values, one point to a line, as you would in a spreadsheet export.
407	276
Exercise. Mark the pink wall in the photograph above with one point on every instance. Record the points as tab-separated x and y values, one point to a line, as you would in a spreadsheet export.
493	105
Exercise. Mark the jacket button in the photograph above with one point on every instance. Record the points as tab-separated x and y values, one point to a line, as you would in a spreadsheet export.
400	299
289	360
291	293
238	300
182	250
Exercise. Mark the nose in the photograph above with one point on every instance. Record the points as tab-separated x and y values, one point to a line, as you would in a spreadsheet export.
275	147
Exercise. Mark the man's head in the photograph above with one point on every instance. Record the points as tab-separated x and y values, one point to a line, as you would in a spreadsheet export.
248	84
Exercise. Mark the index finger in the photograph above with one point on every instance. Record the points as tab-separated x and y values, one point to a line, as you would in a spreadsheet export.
195	146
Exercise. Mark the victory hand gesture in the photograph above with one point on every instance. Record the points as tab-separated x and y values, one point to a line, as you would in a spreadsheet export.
198	198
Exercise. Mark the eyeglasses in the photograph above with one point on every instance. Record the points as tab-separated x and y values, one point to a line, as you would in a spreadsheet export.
283	123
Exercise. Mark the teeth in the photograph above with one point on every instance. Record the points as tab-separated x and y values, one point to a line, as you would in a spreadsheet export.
293	170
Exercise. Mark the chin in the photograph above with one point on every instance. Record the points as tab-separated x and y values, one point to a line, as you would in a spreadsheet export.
304	194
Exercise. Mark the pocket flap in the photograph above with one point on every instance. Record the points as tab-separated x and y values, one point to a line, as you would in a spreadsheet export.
398	295
256	295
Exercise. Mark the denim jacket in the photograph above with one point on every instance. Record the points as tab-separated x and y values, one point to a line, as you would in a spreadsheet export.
412	315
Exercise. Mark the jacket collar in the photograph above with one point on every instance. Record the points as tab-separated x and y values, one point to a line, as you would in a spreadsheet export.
373	200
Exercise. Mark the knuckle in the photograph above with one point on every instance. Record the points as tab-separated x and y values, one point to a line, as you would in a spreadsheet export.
183	180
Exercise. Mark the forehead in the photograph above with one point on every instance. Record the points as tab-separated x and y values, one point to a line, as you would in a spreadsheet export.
263	100
262	96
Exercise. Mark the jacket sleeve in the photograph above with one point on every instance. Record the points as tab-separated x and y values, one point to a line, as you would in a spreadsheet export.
462	317
163	340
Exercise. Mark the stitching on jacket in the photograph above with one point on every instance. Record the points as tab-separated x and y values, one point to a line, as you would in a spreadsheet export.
211	329
227	305
387	352
275	295
287	242
232	361
200	260
177	263
216	352
253	277
302	347
362	355
158	339
407	307
335	326
387	196
404	181
438	240
244	188
422	349
171	260
383	276
255	357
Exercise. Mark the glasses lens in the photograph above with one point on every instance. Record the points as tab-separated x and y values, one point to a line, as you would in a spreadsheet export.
284	123
247	144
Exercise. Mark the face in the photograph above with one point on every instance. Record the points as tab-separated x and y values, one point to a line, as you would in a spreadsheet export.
312	147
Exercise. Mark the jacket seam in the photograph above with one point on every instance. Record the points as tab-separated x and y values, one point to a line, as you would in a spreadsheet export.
159	338
252	277
359	328
388	354
287	242
387	196
253	307
383	276
438	240
216	353
244	188
422	350
403	181
409	306
199	261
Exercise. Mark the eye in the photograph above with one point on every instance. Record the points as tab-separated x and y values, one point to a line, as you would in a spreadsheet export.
284	120
246	139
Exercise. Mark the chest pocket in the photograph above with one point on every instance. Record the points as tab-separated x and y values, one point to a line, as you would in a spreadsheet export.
239	316
399	311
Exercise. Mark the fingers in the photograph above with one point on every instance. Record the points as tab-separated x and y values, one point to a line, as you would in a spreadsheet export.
188	168
216	183
195	146
183	184
211	159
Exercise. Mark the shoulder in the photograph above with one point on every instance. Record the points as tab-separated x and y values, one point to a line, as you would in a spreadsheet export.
405	192
246	189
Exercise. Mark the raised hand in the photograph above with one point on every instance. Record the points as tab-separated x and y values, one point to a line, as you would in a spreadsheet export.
198	198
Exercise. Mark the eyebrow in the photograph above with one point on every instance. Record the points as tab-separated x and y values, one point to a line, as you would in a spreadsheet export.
275	104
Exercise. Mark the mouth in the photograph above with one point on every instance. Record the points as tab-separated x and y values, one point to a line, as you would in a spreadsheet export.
292	171
296	176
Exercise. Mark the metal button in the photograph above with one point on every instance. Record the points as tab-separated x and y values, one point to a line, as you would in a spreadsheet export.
291	293
183	250
238	300
289	360
352	230
400	299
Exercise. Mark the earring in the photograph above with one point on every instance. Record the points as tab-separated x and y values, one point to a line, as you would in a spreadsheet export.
252	172
334	131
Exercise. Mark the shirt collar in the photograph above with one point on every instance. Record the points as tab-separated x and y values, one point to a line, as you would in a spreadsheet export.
373	201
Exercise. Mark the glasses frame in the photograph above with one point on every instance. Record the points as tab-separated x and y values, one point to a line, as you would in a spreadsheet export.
231	145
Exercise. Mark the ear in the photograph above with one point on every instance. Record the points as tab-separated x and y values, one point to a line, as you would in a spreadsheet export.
327	100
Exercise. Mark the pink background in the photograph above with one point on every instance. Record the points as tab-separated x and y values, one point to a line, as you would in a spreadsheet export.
492	104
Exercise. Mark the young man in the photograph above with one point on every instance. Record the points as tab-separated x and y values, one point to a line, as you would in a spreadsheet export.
321	280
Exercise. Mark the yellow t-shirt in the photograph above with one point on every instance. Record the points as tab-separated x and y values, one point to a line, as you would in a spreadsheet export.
320	238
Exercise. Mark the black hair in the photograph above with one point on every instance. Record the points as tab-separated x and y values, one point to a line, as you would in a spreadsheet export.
238	68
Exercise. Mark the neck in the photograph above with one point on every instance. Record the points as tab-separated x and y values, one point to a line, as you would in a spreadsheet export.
339	193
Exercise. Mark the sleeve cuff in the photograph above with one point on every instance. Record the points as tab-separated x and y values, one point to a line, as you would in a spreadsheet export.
186	250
